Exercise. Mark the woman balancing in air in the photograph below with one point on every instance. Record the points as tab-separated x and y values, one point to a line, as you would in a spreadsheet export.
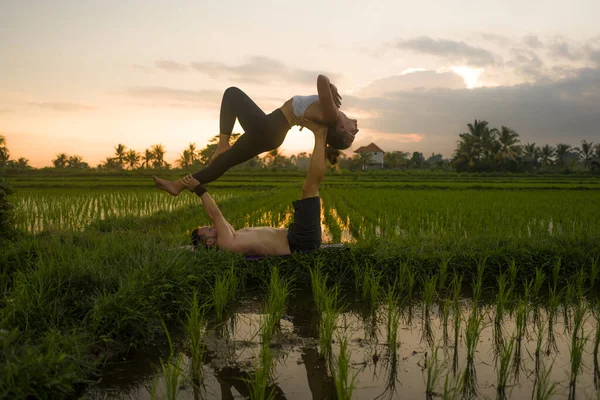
266	132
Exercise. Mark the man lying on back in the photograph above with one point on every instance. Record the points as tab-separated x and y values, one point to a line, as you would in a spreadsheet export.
303	235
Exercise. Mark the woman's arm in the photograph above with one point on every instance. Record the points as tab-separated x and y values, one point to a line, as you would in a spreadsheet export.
328	99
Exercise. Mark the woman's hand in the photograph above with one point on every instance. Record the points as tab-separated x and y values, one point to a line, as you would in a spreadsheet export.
315	127
337	99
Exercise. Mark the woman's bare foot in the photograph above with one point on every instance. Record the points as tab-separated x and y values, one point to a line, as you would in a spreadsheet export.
171	187
220	150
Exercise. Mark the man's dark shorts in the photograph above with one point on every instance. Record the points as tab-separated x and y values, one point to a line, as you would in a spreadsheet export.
304	234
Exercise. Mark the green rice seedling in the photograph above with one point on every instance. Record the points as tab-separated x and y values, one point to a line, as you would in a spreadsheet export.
553	304
472	334
443	273
428	297
223	292
343	379
478	284
545	389
596	312
258	384
556	273
503	369
502	299
457	318
594	272
370	288
445	316
319	287
578	340
434	369
275	304
579	284
328	321
538	282
520	327
171	371
512	274
410	286
539	325
393	320
451	391
194	328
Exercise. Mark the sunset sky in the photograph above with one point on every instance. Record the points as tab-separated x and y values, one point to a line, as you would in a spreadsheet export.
81	76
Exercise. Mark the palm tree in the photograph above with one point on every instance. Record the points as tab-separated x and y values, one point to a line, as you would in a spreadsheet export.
586	151
192	152
132	158
60	161
4	153
597	148
485	137
148	156
120	153
562	151
185	160
275	158
546	154
75	161
508	140
531	150
159	153
467	151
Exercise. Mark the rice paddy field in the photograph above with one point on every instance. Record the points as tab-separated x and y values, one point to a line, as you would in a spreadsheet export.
446	286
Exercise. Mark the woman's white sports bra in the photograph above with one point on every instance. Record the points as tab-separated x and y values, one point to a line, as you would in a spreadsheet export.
301	103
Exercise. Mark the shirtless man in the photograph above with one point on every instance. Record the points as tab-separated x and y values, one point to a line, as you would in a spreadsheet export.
304	234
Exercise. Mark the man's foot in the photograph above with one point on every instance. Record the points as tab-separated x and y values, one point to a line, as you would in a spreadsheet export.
171	187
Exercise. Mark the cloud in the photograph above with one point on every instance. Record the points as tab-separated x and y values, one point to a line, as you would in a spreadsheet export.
526	63
532	41
258	70
164	96
62	107
550	111
142	68
171	66
450	50
418	80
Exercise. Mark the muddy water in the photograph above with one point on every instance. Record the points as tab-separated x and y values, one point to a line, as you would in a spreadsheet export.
300	373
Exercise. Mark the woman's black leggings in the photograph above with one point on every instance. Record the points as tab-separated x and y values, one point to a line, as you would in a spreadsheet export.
261	133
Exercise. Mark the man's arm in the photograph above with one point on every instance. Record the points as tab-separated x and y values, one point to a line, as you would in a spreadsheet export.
225	232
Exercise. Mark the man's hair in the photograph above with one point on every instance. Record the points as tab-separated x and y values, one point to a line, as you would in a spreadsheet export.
336	139
198	240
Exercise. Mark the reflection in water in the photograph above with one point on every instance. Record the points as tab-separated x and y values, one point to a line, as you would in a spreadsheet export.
300	373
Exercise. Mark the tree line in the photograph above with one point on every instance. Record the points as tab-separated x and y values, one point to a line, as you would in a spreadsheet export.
484	148
481	149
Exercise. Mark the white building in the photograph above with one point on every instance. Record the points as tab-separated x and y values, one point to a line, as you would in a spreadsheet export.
375	155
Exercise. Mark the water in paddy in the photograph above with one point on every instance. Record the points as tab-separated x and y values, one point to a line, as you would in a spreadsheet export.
300	373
